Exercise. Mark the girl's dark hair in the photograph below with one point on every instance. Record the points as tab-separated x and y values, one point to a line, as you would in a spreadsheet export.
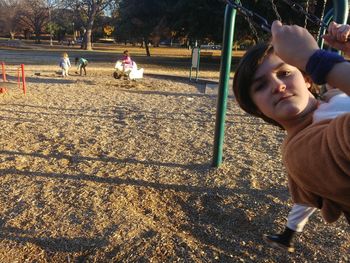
244	76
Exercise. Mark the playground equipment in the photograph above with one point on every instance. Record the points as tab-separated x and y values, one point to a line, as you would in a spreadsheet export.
197	54
20	79
340	15
131	73
195	61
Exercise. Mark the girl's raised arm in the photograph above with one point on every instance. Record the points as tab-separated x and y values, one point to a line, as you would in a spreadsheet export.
295	45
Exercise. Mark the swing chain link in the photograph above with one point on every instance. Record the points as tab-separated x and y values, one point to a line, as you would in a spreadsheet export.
252	28
322	19
254	17
307	10
274	7
262	22
298	8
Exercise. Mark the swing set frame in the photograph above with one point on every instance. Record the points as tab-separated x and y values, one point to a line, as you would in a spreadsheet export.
340	15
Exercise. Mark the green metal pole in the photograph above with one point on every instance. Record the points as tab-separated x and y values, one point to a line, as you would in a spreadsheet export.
340	11
225	68
340	14
327	19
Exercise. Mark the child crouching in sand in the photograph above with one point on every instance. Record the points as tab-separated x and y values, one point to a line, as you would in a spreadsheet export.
81	65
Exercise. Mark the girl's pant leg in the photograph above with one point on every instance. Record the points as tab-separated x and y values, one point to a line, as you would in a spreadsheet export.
298	217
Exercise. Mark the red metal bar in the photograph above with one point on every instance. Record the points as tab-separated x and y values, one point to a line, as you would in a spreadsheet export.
18	78
3	71
23	80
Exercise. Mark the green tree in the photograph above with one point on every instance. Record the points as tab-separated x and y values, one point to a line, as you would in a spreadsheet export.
89	10
203	19
62	22
199	19
138	19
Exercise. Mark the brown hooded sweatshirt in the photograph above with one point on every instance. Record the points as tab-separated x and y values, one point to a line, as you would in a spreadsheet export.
317	159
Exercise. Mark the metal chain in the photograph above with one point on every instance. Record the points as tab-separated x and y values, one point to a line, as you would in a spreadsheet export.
307	10
323	9
249	21
252	28
298	8
260	21
253	17
274	7
322	16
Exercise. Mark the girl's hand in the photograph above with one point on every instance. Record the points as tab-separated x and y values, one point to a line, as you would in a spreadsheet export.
293	44
337	37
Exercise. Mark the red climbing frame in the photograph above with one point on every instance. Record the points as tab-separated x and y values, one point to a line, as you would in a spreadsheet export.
20	76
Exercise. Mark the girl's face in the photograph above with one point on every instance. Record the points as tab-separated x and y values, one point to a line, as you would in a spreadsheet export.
280	91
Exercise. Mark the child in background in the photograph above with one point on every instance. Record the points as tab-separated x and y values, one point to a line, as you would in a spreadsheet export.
65	64
82	63
127	61
127	68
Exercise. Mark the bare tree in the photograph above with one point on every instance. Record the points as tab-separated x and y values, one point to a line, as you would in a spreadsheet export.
8	17
34	16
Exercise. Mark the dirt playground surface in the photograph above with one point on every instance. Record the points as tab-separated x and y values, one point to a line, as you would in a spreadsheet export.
95	169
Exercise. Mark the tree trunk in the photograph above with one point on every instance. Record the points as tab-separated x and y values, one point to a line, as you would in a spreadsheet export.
12	35
88	39
147	48
37	38
26	34
90	23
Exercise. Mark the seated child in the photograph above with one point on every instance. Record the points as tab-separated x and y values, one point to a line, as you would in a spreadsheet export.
127	68
127	61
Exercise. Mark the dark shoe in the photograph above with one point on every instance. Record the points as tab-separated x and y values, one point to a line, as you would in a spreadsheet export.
277	242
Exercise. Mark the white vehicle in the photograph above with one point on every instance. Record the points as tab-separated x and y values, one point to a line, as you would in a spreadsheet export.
131	73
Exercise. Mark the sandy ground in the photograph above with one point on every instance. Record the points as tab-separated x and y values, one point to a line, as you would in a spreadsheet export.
95	169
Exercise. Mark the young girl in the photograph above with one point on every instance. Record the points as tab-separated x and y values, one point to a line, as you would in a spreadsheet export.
65	64
337	103
127	61
316	156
